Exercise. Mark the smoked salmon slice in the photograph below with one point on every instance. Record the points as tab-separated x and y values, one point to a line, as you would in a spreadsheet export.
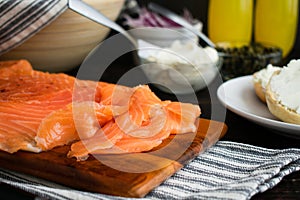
105	138
147	122
40	111
24	118
180	117
27	97
116	95
14	67
78	120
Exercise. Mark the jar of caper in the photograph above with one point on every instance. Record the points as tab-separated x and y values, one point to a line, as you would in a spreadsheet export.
245	60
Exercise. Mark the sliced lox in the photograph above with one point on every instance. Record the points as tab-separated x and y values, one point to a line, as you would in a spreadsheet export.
147	122
27	97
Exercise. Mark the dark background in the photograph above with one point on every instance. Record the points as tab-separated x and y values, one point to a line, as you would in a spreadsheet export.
199	9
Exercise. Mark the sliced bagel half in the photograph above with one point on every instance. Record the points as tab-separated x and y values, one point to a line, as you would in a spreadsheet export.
285	108
259	89
261	79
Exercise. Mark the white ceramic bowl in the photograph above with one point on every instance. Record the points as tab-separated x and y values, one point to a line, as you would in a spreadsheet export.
65	43
182	76
163	37
173	81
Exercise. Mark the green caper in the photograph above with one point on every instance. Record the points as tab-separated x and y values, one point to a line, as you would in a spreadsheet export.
245	60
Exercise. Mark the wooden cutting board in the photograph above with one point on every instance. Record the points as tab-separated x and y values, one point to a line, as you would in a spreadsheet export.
130	175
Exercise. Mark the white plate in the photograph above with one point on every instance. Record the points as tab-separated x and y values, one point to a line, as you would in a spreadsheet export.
238	96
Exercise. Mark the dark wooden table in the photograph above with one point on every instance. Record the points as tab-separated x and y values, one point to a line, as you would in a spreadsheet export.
239	130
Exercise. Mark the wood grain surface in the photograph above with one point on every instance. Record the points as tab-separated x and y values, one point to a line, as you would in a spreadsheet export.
128	175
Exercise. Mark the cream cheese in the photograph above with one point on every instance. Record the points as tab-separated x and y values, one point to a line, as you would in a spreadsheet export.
286	84
263	76
187	53
183	67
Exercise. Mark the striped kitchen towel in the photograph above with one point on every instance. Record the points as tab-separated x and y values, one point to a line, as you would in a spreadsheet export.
228	170
21	19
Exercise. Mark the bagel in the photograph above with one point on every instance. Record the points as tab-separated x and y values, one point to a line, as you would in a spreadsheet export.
261	79
283	94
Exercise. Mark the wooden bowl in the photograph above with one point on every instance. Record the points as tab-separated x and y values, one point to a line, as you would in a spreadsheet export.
63	45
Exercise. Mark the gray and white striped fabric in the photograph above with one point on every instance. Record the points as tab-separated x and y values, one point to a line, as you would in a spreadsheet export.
21	19
228	170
